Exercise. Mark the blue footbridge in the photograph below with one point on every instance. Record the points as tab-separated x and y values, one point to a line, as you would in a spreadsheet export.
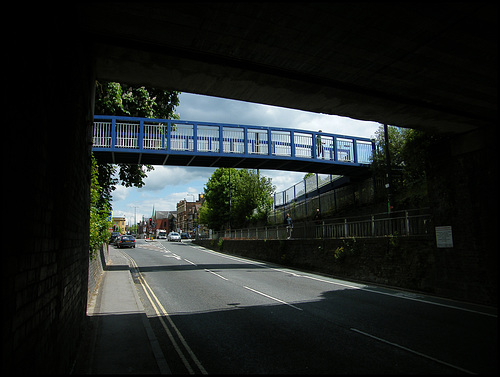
134	140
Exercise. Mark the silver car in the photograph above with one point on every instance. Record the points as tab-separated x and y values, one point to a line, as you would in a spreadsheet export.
174	236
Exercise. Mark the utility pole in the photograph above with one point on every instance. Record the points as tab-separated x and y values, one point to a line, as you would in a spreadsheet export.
319	194
135	221
388	174
230	202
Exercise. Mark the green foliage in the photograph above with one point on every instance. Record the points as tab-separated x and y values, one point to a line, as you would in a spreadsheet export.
113	98
108	99
107	182
408	150
348	248
134	175
339	253
100	213
245	200
394	240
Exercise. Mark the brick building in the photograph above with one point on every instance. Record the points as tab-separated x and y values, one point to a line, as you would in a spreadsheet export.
187	215
165	220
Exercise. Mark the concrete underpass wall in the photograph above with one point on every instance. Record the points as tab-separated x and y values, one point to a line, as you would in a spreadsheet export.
462	185
45	289
412	263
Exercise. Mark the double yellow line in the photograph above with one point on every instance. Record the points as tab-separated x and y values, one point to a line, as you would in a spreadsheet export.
162	313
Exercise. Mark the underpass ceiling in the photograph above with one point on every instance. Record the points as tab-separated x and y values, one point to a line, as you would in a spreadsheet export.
425	66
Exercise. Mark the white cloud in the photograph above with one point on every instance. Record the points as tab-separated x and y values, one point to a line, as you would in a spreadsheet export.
164	176
283	179
206	108
121	193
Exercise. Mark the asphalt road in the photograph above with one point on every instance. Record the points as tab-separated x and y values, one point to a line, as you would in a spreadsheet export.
214	313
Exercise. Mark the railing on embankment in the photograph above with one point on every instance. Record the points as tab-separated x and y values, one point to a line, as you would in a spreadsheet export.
416	222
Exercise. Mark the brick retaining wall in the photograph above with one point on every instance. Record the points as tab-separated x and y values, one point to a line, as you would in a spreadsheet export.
45	287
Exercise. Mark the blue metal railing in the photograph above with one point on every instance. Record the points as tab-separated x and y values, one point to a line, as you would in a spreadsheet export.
144	135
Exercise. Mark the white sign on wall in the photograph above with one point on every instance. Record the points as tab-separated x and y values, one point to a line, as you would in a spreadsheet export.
444	236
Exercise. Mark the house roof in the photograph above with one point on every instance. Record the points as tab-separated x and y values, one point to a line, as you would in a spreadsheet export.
165	214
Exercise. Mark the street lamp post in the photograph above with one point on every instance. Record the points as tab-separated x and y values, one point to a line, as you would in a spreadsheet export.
135	221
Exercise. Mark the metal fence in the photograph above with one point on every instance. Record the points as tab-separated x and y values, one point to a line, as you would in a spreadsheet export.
186	136
302	199
415	222
300	189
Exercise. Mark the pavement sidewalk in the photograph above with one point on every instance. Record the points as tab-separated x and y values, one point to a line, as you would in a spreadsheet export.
119	337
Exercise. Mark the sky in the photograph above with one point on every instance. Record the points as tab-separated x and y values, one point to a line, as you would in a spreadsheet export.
167	185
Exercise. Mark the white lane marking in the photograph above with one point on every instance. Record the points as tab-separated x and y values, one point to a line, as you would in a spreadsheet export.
402	295
187	260
208	251
350	286
216	274
150	247
272	298
173	256
412	351
335	283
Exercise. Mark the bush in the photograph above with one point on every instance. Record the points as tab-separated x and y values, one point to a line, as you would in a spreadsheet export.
100	214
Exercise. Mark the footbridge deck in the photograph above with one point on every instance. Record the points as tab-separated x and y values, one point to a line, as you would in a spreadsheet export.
135	140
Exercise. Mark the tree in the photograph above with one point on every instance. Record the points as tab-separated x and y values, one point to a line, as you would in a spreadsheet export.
397	137
236	201
253	200
215	211
113	98
408	151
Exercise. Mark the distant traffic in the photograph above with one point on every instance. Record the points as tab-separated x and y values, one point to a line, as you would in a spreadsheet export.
129	240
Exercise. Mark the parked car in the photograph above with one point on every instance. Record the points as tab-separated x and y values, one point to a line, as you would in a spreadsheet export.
125	241
113	237
174	236
117	238
185	235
